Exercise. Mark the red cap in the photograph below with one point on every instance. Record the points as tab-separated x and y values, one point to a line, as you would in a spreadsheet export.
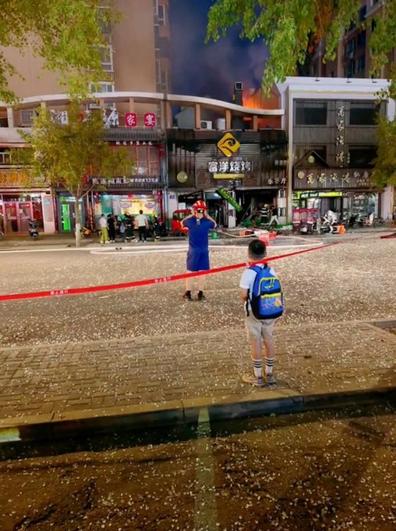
199	205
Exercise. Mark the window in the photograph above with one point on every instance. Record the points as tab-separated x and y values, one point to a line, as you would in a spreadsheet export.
27	117
103	86
363	113
4	156
351	68
106	58
362	13
361	65
160	12
361	39
311	113
161	15
146	160
362	156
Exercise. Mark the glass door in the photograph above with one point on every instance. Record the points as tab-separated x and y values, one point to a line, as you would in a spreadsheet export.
11	216
66	218
24	213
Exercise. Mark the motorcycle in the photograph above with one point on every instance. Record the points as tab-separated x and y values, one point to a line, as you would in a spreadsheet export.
33	229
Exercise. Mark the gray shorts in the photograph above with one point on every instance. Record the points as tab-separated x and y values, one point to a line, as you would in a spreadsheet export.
258	330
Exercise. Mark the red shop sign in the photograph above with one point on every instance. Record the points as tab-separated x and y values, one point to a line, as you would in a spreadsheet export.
150	119
130	119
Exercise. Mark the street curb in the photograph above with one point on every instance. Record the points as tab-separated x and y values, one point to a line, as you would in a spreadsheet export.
181	412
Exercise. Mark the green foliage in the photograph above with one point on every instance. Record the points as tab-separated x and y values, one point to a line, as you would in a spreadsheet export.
66	34
292	28
287	28
385	164
66	155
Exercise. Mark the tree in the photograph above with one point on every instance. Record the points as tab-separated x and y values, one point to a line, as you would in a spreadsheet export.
291	28
385	163
68	154
65	34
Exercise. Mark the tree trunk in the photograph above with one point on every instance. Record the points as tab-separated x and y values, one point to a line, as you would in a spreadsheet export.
77	211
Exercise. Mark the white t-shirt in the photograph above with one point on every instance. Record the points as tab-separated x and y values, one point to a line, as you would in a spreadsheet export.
247	280
102	223
141	220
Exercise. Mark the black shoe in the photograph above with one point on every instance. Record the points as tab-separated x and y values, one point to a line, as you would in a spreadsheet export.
201	296
187	296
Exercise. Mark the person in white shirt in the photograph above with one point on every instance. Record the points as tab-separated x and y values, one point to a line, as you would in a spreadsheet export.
104	231
259	331
142	225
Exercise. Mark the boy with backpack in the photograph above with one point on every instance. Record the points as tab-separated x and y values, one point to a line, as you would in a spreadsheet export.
262	293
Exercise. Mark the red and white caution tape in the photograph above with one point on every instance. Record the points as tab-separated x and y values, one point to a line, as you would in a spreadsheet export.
147	282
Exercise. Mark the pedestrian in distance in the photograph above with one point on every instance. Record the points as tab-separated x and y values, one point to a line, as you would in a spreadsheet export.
262	294
199	223
142	226
122	229
274	216
104	233
111	223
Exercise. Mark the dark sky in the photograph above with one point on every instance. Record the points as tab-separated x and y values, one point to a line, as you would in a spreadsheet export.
209	70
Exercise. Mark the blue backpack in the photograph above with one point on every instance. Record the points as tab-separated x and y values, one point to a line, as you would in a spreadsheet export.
266	298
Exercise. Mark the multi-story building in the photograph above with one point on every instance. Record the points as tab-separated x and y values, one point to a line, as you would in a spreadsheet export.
353	58
331	127
134	58
250	165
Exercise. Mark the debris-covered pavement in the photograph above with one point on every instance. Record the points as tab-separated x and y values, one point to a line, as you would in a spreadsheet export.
307	472
354	281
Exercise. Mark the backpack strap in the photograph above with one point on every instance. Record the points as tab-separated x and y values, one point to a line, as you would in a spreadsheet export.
256	269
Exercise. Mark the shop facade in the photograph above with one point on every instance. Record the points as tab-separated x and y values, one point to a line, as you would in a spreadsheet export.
141	189
332	144
235	172
20	203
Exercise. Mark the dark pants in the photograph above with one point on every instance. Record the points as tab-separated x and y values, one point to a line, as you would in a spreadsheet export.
142	233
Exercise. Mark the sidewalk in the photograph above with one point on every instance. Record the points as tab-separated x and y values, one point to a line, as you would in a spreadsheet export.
48	383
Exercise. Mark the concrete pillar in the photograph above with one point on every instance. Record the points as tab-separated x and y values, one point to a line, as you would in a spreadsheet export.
197	116
168	115
10	117
228	119
255	123
131	105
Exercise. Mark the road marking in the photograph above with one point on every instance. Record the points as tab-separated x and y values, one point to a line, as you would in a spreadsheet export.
113	252
9	435
138	250
205	499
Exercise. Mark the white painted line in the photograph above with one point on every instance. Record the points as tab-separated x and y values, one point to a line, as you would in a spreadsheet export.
112	253
137	251
141	250
205	495
9	435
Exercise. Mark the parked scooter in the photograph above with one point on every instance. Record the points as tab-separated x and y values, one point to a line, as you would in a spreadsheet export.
33	229
86	232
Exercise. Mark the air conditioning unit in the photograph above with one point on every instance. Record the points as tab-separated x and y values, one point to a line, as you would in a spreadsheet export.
206	124
220	124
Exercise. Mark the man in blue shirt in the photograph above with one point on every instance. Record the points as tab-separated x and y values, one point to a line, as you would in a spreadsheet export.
199	223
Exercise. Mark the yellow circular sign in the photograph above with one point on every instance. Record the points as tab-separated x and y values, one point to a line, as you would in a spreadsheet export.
182	177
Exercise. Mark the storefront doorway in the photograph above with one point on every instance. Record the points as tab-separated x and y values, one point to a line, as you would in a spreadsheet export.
16	212
130	204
